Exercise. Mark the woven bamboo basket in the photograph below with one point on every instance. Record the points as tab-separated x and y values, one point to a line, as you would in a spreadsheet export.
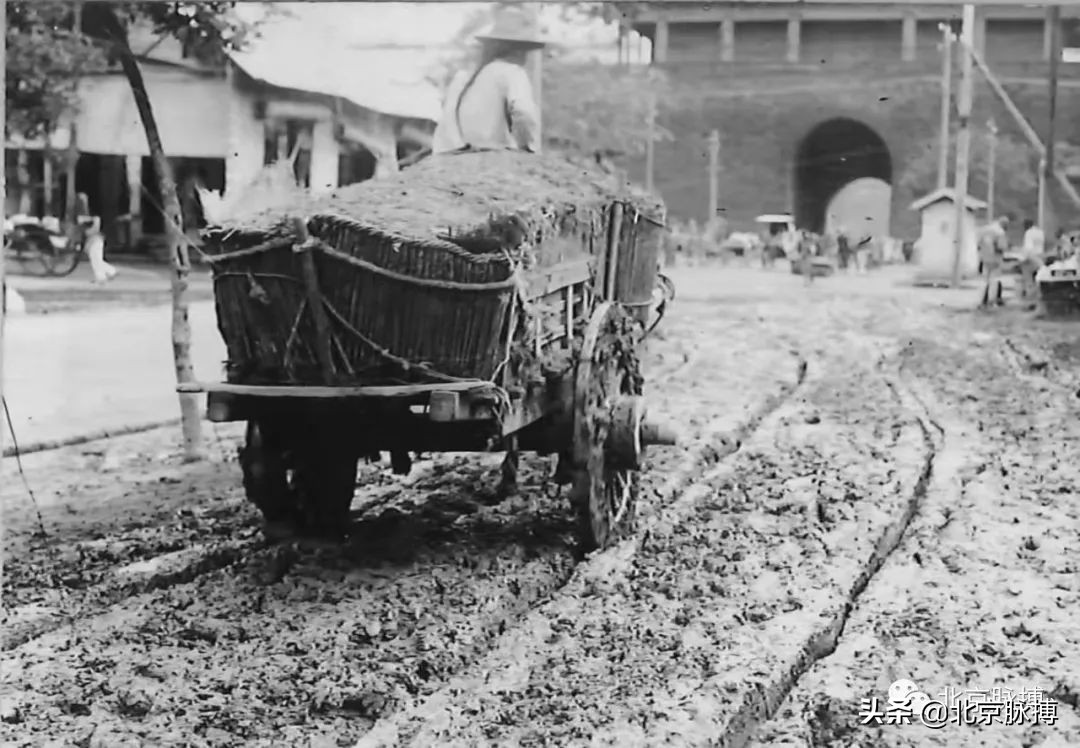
418	273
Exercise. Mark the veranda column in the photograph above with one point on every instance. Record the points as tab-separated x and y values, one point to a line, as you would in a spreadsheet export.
727	39
660	43
794	34
908	38
980	32
22	170
1048	38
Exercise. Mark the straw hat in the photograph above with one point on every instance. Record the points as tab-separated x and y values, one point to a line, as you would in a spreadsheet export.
514	25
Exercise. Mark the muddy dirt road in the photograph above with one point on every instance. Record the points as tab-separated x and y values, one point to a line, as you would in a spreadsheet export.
866	469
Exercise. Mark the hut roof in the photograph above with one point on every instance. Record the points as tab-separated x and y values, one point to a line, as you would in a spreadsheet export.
947	193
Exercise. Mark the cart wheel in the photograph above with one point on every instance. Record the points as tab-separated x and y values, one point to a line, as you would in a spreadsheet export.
324	482
604	493
265	469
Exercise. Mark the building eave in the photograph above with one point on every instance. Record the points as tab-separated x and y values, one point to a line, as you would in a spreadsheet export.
946	194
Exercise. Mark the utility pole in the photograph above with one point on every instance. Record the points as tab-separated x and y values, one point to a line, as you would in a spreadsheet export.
714	175
991	167
963	139
1026	128
1040	208
947	37
650	145
1053	20
3	201
536	74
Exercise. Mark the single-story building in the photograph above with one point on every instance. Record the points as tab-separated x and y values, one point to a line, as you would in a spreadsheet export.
222	124
936	246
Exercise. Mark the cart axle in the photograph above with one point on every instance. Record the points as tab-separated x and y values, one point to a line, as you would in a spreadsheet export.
630	431
659	435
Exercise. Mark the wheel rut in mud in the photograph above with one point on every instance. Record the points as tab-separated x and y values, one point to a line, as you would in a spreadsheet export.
762	704
698	628
982	592
435	576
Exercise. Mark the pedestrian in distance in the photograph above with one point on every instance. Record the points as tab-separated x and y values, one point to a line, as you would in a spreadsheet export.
790	244
714	234
843	249
993	243
93	241
862	254
907	249
1054	248
772	247
494	106
1034	251
806	257
95	251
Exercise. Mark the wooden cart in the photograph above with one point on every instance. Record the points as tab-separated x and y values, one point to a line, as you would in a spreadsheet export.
346	340
1059	291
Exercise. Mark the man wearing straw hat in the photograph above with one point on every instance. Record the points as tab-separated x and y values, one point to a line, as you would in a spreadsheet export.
494	106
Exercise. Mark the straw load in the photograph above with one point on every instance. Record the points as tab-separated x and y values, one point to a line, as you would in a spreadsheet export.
417	273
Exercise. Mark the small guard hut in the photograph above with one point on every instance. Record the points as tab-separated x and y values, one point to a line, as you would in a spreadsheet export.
937	238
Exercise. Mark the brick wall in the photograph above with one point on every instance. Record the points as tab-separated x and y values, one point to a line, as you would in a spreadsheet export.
762	129
849	69
761	40
847	43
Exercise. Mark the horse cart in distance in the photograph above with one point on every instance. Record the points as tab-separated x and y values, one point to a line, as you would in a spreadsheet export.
480	301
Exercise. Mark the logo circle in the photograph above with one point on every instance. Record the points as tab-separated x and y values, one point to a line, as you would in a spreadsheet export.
900	690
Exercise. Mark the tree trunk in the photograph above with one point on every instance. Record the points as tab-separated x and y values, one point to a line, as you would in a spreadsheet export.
71	161
3	277
178	246
71	198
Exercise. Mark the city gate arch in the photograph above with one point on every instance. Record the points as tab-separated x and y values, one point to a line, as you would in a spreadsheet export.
843	173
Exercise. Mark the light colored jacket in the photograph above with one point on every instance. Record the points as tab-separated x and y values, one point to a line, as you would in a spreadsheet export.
993	243
498	110
1034	243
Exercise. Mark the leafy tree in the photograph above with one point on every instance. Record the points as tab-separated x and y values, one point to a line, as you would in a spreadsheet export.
210	28
601	109
1015	171
46	54
608	11
462	51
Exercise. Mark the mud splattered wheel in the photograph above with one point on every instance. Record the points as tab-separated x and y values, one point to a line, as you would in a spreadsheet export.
323	479
264	463
605	489
302	486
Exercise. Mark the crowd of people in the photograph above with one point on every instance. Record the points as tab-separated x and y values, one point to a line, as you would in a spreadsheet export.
839	250
1035	253
836	248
